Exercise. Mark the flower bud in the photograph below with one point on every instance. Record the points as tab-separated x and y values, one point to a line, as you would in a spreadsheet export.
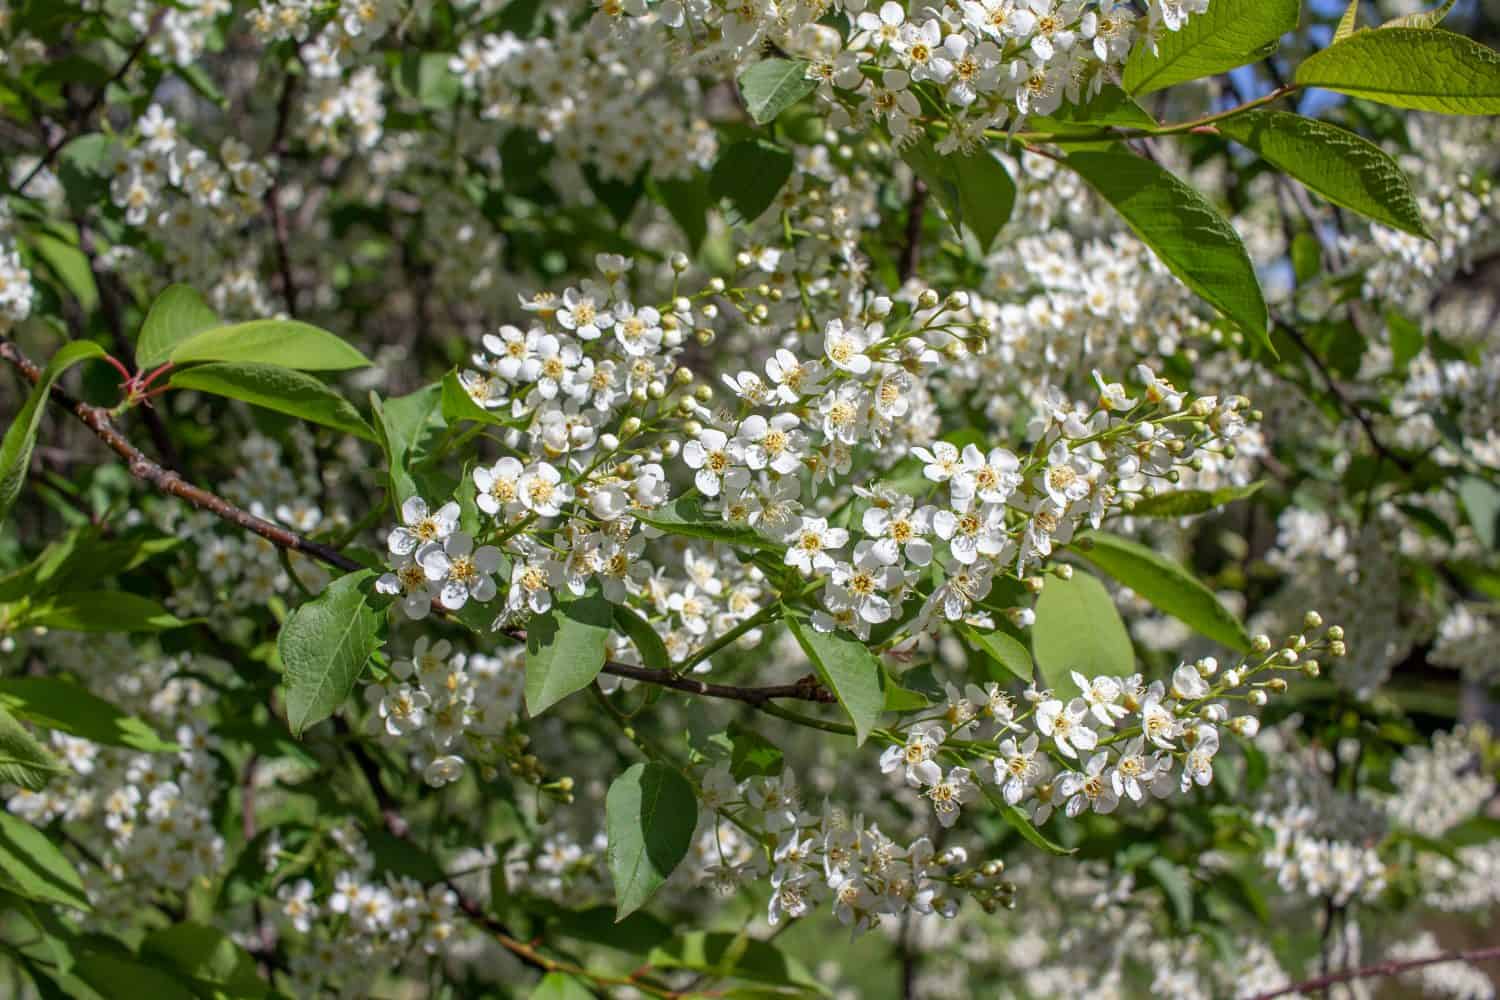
1260	643
609	442
928	299
1335	632
1311	620
630	426
716	285
1258	698
678	261
1336	649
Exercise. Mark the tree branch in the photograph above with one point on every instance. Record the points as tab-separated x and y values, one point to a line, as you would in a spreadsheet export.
81	119
916	207
143	468
1390	967
279	231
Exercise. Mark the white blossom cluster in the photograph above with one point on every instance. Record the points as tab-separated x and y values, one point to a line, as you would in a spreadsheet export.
606	101
453	705
145	819
1120	738
864	876
16	290
232	570
1441	784
364	927
990	61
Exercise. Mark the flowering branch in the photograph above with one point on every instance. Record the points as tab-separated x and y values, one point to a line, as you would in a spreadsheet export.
81	119
143	468
1390	967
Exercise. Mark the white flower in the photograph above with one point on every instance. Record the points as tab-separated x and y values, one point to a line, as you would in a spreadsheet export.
991	478
1101	695
499	487
916	757
582	313
404	709
941	463
543	492
899	529
1188	684
1064	723
715	457
951	793
775	444
1017	768
1090	789
808	544
845	346
419	526
462	571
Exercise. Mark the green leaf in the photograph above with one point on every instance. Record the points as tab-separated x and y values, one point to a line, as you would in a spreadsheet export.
176	314
683	517
751	754
561	986
771	86
1001	648
1111	106
1189	235
1424	69
406	426
121	975
750	173
68	264
20	437
285	342
1422	18
1176	885
1481	502
1168	585
1017	818
1307	257
1231	33
1078	628
648	644
32	867
62	705
687	201
197	77
1407	340
975	190
650	814
1336	163
206	957
23	760
284	390
103	611
425	77
1348	23
459	405
720	954
324	645
565	648
1182	503
849	670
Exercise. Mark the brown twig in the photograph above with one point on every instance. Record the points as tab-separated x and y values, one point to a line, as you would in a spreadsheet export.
279	231
1390	967
1344	402
81	119
911	250
143	468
